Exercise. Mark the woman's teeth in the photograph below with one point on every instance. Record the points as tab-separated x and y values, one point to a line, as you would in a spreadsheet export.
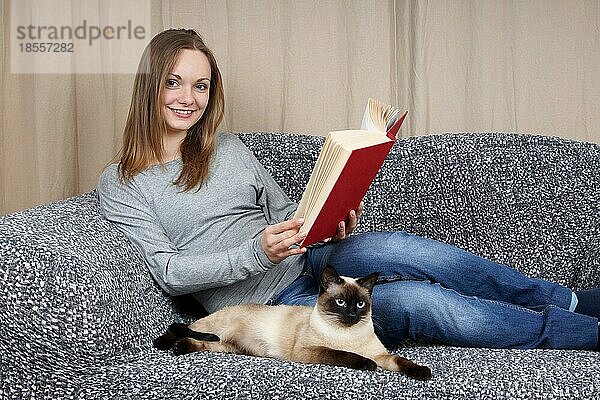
184	112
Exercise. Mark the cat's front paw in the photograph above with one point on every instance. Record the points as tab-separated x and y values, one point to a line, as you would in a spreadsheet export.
418	372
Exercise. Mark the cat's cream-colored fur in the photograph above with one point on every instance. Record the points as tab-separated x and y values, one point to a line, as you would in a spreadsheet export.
303	334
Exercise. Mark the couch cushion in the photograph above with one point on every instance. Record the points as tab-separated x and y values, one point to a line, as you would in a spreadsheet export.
458	373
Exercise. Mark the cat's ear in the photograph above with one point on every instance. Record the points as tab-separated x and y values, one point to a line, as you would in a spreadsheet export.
329	277
368	281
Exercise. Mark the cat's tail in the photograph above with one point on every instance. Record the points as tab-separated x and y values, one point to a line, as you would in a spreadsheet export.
178	331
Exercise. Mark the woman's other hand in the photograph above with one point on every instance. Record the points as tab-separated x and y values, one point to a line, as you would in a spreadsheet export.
343	231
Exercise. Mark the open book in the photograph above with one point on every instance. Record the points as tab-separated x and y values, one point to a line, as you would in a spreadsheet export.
347	164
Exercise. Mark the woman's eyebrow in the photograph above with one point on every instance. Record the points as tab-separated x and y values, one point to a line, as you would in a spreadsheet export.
198	80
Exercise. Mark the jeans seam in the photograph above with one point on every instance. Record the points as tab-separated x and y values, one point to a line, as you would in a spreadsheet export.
513	306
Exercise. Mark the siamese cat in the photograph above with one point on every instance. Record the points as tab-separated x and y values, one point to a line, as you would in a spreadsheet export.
338	330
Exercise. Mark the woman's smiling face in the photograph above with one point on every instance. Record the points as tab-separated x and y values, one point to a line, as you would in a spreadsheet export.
186	92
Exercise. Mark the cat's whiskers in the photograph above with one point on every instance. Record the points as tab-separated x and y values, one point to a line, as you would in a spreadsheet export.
376	322
330	317
334	318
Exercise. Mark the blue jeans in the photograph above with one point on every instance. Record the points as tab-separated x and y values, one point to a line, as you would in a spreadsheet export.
428	289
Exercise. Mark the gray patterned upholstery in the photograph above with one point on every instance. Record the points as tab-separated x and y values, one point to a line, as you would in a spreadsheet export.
78	310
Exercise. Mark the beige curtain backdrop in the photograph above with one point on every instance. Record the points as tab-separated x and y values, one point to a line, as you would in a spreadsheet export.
309	67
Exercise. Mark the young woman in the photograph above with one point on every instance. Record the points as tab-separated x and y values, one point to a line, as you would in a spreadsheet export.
210	221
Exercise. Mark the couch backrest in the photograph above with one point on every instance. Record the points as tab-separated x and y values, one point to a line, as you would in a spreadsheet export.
528	201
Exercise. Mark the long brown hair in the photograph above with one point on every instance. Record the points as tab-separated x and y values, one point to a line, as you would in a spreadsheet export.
146	126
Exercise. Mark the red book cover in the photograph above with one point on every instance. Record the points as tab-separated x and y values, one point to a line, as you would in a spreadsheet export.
348	191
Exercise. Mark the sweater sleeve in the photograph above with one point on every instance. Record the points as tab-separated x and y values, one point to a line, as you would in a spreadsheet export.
276	205
177	272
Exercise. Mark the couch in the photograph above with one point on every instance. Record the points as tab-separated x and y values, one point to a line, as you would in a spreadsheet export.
79	311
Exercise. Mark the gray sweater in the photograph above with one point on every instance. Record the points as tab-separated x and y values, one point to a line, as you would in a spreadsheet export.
205	242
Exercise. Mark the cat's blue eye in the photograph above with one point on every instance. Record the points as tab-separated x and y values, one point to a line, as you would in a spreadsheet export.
340	302
360	304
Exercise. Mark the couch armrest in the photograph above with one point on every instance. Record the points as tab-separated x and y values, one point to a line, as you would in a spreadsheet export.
71	285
